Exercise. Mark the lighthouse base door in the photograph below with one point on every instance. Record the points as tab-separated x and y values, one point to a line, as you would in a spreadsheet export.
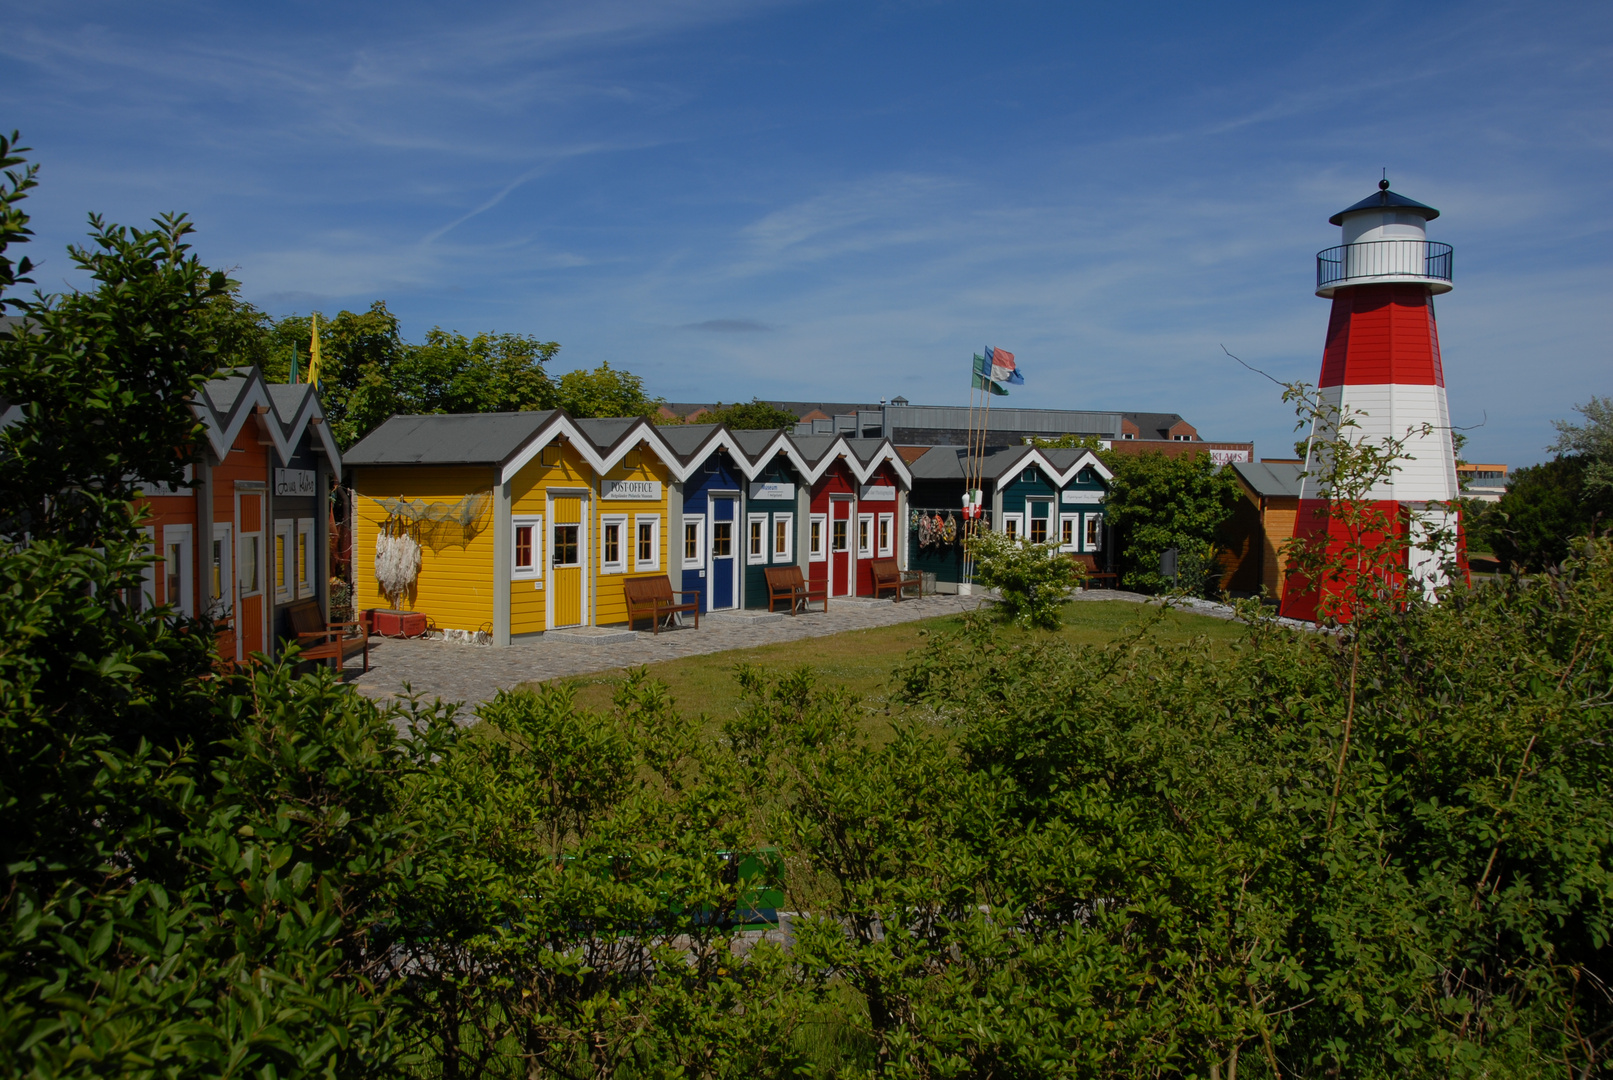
842	558
568	554
722	584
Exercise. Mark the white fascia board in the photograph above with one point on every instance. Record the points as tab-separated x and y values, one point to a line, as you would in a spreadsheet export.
886	452
814	473
611	456
781	444
1087	459
223	431
310	410
560	423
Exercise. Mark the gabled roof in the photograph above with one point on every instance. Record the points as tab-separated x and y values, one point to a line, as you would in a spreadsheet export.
1271	479
297	406
951	463
449	438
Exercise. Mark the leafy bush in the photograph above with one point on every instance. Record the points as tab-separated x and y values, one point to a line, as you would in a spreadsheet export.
1032	580
1159	502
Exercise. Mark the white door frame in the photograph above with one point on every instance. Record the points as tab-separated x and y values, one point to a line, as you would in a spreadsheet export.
851	544
583	560
736	541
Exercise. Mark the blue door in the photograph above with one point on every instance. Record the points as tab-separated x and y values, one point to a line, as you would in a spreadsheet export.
723	581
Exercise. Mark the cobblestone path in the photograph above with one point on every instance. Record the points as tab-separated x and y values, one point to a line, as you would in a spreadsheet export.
474	673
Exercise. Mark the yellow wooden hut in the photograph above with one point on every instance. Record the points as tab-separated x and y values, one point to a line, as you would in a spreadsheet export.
508	524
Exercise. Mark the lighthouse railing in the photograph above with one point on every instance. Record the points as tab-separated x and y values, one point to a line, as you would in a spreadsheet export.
1383	259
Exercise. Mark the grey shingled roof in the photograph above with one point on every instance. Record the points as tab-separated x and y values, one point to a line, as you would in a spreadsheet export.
447	439
948	462
1270	479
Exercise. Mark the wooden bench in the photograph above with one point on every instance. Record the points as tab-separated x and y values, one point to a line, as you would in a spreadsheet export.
887	575
1089	563
320	640
652	597
786	583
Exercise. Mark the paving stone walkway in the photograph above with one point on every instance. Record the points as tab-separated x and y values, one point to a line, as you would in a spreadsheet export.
474	673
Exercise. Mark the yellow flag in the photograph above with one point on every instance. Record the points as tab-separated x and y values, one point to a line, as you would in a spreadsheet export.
313	354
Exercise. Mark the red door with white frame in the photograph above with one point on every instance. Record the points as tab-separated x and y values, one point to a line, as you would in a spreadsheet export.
842	546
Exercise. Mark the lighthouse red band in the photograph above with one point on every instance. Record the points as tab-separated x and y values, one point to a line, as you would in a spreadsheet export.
1381	367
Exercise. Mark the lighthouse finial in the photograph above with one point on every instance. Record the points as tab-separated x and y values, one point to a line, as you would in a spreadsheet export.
1383	185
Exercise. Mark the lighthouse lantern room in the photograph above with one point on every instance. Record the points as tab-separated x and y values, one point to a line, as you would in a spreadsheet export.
1381	369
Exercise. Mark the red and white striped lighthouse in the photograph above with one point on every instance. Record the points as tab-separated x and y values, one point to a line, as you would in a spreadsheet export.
1381	369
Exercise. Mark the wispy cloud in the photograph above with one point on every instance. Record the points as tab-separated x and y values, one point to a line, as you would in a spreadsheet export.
728	326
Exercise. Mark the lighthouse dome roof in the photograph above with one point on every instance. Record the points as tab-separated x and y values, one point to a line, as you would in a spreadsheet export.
1384	199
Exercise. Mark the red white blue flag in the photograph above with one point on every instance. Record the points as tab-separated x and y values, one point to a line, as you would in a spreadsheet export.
1003	369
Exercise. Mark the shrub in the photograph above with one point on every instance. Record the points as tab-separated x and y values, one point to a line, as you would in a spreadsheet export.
1032	580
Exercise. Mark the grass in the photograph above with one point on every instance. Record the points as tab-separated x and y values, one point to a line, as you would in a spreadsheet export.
863	660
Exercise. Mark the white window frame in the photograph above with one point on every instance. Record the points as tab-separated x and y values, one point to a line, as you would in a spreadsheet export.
535	523
699	523
756	539
865	536
223	542
148	572
285	563
1074	522
1018	523
654	561
1030	516
180	536
304	537
625	542
1092	532
786	554
256	541
885	535
817	545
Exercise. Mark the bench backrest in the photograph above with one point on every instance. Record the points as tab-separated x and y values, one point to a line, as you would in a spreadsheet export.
780	578
1088	561
885	570
304	617
647	590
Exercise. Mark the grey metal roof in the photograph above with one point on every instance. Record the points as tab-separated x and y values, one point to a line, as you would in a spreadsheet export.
605	431
1384	199
448	439
222	392
813	447
686	439
949	462
1270	479
755	441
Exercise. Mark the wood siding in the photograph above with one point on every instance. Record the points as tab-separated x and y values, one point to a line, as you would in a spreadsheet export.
455	586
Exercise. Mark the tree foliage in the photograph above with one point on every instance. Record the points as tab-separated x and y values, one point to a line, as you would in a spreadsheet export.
752	415
1158	502
604	391
1593	441
1545	508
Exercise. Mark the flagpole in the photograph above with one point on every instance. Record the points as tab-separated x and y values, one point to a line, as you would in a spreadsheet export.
968	490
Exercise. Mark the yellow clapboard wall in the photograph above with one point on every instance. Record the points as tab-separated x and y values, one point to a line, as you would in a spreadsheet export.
557	465
610	602
455	585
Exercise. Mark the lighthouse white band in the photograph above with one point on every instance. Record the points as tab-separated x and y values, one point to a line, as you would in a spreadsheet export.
1426	473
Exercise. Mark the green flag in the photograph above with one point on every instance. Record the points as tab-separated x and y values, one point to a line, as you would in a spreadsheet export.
983	383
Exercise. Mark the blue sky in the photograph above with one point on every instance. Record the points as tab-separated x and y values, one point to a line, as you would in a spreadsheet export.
845	200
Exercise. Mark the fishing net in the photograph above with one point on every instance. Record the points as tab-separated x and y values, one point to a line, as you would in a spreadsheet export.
397	564
465	511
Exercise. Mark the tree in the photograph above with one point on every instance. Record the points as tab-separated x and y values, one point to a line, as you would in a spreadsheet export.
103	379
1545	508
1592	440
753	415
1032	580
605	391
1158	502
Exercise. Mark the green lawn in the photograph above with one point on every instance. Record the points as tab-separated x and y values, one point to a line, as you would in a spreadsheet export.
863	660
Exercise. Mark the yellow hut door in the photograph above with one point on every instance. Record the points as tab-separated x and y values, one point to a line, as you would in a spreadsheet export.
566	578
